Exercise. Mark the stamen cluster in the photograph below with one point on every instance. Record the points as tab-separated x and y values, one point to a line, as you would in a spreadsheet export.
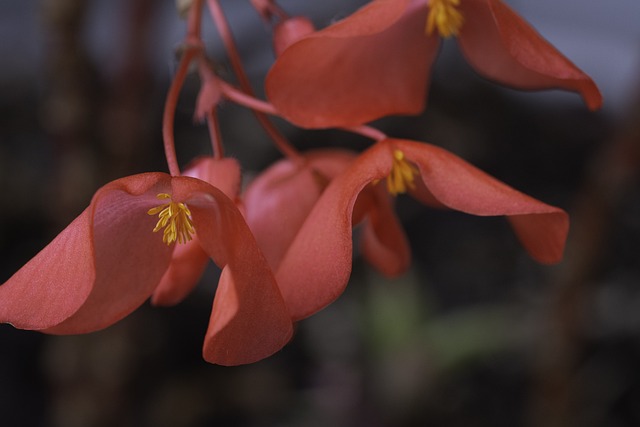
445	17
175	219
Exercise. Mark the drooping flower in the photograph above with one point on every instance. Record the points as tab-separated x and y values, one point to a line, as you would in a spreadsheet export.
279	200
377	61
108	261
190	260
317	264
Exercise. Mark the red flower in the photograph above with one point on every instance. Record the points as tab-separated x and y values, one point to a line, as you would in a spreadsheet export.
317	265
190	260
108	261
278	201
377	61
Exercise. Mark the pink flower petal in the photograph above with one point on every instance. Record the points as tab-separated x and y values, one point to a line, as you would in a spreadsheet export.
249	320
278	201
188	263
542	229
384	243
129	258
98	269
189	260
503	47
372	64
55	283
317	266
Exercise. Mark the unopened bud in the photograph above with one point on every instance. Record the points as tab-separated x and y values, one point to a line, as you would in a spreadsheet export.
290	31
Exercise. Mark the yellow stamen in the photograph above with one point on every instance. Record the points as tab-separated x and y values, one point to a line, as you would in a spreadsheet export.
175	218
444	16
402	173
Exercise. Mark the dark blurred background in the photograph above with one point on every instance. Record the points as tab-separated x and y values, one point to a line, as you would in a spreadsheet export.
476	334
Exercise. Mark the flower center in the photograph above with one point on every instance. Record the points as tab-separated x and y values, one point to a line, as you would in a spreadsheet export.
175	218
444	15
402	173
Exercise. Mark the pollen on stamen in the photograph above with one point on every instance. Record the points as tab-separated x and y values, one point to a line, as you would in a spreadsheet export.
175	219
401	177
445	17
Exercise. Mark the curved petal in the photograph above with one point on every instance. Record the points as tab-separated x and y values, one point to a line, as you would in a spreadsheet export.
249	320
279	200
371	64
97	270
384	243
189	260
129	258
503	47
187	266
224	174
55	283
317	265
542	229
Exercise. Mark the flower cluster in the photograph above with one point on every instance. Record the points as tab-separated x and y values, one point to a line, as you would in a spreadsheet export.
284	244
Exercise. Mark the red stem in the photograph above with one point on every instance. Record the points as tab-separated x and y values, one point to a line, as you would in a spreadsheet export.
170	110
236	63
256	104
214	133
193	46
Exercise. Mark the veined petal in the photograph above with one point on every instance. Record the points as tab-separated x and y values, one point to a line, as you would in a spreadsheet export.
503	47
542	229
129	258
279	200
372	64
190	260
249	320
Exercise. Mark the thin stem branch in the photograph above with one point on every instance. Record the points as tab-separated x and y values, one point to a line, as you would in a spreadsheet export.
367	131
227	37
194	22
214	133
170	110
255	104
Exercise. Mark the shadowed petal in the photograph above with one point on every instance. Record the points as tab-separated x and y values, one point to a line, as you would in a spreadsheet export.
371	64
249	320
129	258
503	47
384	243
278	201
317	266
224	174
188	263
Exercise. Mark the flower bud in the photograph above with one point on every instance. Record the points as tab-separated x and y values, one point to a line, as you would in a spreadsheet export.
290	31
